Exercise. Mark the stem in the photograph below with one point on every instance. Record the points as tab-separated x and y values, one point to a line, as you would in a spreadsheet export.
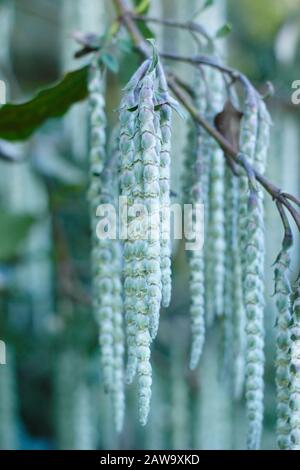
189	25
127	19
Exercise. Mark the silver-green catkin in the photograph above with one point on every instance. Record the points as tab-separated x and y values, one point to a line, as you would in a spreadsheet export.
100	251
229	282
215	245
283	322
193	190
238	308
164	182
253	149
140	145
106	253
110	186
128	122
150	148
295	372
131	188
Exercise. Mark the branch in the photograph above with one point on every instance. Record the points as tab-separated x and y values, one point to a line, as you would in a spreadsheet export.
127	19
189	25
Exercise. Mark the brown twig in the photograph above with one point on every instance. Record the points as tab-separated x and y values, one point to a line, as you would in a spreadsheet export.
188	25
127	19
292	198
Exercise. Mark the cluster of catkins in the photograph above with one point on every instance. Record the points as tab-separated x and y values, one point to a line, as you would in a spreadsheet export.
145	134
135	277
227	276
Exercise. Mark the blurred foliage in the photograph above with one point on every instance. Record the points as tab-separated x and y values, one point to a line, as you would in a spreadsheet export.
258	22
19	121
13	233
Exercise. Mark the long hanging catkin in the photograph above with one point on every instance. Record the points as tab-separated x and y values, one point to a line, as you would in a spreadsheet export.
229	282
150	147
193	189
106	252
111	187
100	253
239	314
164	182
215	245
283	322
131	189
252	250
144	137
295	371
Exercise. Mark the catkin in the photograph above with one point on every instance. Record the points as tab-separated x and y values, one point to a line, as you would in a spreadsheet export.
229	283
294	401
239	314
283	322
100	252
131	189
215	246
252	250
145	172
151	146
164	181
193	189
106	252
111	185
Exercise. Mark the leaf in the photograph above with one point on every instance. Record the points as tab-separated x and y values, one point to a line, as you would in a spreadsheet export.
223	31
142	25
110	61
14	230
228	123
142	6
19	121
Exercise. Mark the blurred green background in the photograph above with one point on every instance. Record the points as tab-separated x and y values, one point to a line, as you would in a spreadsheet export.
50	389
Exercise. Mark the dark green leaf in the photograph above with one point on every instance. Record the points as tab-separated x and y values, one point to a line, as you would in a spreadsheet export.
223	31
19	121
110	61
14	229
141	6
143	27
